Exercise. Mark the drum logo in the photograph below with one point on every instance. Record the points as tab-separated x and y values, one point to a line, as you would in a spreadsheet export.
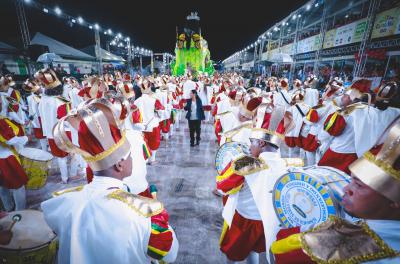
300	200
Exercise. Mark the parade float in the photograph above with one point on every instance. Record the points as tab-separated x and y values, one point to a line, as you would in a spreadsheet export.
191	50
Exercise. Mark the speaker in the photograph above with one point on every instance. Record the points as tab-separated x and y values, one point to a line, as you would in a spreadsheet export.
35	50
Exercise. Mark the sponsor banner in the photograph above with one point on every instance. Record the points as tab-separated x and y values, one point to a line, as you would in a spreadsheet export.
361	26
288	49
385	23
306	45
330	36
344	34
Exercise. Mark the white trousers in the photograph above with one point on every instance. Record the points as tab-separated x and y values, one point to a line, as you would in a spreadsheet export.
43	144
11	197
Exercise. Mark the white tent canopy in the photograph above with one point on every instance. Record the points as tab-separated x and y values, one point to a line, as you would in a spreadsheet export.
59	48
105	55
5	46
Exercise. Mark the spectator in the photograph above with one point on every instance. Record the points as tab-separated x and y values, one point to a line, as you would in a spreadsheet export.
194	115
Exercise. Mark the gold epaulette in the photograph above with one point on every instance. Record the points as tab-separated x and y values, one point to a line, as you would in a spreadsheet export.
73	189
293	162
144	206
339	241
246	165
351	108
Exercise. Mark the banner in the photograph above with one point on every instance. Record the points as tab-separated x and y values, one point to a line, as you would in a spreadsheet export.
344	34
288	49
397	30
385	23
329	41
306	45
361	26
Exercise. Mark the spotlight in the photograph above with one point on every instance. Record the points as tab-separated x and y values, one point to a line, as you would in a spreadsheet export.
58	11
96	26
80	20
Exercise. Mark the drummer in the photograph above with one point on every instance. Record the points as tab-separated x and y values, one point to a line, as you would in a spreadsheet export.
243	233
32	86
12	176
53	107
372	195
82	217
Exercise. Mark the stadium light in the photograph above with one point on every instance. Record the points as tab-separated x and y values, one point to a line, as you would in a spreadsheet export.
58	11
96	26
90	27
28	1
308	7
109	31
80	20
45	10
73	20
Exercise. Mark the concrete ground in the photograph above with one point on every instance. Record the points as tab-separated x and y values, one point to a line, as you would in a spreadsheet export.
185	178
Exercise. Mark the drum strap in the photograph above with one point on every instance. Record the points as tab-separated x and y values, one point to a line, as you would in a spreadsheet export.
284	98
299	109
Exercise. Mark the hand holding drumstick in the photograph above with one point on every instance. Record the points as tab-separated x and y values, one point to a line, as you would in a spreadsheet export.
6	235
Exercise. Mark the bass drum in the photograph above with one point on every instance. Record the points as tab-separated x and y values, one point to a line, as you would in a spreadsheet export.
36	164
227	152
32	239
308	196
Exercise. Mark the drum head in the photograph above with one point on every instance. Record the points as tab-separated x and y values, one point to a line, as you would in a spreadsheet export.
228	152
300	199
36	154
335	179
30	232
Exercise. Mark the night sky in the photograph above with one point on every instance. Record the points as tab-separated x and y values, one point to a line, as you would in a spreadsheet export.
226	25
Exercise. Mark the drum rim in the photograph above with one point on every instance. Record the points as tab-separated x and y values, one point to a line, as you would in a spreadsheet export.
22	155
216	153
55	235
31	248
273	194
330	169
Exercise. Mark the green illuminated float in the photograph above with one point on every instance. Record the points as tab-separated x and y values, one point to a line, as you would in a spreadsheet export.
191	51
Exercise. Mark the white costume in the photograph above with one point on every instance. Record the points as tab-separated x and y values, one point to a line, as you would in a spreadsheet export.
79	217
33	108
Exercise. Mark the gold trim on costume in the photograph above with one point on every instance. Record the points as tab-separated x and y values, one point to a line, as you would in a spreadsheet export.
329	239
73	189
246	165
382	164
142	205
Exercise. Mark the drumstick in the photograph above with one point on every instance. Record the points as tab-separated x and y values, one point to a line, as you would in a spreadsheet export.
16	218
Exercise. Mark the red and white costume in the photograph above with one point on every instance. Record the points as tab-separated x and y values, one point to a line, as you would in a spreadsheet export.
12	176
354	132
312	131
51	109
148	107
292	136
